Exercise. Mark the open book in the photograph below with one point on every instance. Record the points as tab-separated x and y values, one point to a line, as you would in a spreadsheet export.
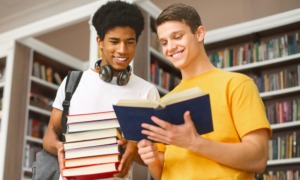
131	113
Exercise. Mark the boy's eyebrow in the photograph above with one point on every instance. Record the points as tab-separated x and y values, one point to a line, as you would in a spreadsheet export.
117	39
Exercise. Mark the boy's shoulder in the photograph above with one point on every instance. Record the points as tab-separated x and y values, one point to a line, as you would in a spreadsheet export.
231	75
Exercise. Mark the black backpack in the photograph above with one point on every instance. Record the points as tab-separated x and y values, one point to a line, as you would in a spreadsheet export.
46	165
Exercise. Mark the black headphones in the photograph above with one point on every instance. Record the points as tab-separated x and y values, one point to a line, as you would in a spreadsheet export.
106	73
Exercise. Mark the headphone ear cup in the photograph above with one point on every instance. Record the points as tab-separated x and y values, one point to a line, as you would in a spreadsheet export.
106	73
124	76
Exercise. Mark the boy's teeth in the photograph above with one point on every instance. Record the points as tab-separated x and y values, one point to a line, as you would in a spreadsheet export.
177	54
121	59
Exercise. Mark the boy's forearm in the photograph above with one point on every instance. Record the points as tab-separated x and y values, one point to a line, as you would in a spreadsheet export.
156	168
51	143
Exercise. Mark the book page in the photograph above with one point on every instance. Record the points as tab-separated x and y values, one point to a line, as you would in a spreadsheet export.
138	103
183	95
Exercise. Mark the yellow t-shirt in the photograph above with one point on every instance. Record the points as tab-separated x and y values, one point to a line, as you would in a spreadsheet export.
237	109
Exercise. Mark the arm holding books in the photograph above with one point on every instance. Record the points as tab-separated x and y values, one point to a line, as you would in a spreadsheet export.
51	142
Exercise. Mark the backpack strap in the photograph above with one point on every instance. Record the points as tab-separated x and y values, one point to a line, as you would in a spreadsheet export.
72	82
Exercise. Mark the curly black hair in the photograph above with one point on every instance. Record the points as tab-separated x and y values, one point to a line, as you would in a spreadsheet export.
118	13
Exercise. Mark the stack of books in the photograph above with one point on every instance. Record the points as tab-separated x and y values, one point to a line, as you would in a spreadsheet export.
90	144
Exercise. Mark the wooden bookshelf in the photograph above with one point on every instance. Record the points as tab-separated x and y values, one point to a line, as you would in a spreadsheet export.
32	96
45	75
269	52
152	65
20	46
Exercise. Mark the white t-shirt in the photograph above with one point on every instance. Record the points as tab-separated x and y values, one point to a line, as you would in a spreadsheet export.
95	95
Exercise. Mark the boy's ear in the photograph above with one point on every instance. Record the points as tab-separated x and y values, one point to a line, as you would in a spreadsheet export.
200	33
99	42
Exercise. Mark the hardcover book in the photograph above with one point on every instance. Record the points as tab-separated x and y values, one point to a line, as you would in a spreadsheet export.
131	113
89	143
95	134
98	171
90	117
92	125
93	151
85	161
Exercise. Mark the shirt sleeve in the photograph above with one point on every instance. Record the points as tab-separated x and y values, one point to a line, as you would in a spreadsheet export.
248	110
60	96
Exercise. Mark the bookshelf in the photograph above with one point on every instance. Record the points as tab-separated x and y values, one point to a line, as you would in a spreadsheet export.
268	50
18	109
19	47
46	67
159	70
261	31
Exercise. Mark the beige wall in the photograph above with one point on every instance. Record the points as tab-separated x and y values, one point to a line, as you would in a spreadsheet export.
220	13
214	14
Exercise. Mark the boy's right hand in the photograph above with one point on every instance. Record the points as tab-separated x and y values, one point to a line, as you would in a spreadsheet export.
61	160
148	152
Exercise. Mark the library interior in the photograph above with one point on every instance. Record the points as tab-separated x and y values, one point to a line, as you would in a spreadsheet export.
41	41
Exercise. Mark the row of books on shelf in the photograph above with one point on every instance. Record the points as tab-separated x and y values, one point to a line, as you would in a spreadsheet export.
284	146
30	152
251	52
163	78
287	110
46	73
276	79
36	128
90	144
292	174
40	101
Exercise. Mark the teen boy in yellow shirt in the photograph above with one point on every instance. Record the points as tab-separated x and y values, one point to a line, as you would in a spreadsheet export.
238	146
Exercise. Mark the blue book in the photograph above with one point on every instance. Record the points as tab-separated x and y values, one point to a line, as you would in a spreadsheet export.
131	113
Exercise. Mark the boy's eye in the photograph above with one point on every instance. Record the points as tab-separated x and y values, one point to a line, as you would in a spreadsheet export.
163	43
131	42
178	37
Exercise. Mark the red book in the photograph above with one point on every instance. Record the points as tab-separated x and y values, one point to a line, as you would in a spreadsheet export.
92	172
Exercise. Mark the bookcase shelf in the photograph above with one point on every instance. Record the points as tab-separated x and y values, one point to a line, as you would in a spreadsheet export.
271	94
277	77
265	63
39	110
44	74
34	139
284	161
44	83
158	70
285	125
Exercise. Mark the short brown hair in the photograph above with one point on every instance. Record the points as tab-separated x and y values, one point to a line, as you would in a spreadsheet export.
180	12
